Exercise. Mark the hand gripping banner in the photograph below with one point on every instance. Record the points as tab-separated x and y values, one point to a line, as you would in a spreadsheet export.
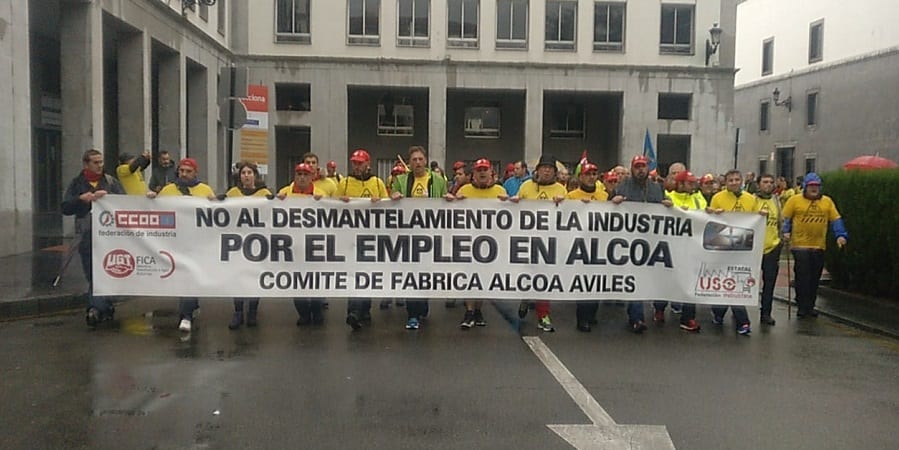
471	249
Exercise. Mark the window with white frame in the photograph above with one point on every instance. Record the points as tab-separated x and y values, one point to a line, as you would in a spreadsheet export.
462	23
676	34
413	22
608	26
767	56
811	109
292	21
566	120
222	13
512	24
482	122
364	24
816	41
561	25
396	118
764	110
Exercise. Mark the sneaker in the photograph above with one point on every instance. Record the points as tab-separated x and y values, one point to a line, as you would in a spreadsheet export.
385	304
638	327
677	308
353	321
522	310
546	324
659	317
185	325
468	320
744	329
767	320
92	317
691	326
479	318
412	323
716	319
236	320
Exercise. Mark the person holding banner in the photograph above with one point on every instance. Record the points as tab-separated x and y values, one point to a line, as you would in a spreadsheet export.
684	198
542	187
327	185
482	186
188	183
248	175
733	199
331	167
638	188
420	183
360	183
309	310
806	216
586	192
90	185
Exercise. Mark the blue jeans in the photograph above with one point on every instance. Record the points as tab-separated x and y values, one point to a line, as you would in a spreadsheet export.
634	312
740	315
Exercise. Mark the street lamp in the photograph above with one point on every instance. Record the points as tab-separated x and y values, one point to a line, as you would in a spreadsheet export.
787	102
711	44
189	4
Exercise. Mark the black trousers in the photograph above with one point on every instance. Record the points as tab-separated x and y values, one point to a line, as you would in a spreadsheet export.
586	310
807	267
770	267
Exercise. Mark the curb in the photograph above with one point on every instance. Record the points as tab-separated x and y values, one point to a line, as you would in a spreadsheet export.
871	328
42	305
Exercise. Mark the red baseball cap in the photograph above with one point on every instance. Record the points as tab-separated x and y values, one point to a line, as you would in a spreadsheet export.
332	164
190	162
360	155
303	167
589	167
458	165
610	176
707	178
685	176
639	159
398	170
482	164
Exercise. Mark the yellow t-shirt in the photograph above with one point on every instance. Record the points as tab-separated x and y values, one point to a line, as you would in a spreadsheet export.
530	190
132	182
580	194
810	219
772	225
200	190
327	185
355	188
687	201
288	191
420	186
236	192
727	201
470	191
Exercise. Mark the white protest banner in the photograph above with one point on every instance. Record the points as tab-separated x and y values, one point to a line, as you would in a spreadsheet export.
301	247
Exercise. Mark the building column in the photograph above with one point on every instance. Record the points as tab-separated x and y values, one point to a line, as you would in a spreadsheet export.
533	123
437	121
170	104
196	119
81	67
134	93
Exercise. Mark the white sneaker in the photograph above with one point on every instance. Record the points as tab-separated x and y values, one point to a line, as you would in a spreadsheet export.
184	326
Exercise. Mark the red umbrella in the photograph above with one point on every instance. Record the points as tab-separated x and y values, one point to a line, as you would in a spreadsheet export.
868	162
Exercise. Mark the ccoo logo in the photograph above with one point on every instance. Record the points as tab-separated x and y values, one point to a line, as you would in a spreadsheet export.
106	219
118	263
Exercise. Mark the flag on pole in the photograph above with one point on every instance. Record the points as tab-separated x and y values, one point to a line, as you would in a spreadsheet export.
649	152
577	170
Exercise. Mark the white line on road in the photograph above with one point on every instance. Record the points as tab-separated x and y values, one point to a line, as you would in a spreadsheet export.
603	433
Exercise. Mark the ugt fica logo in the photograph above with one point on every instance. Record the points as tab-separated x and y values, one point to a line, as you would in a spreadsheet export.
118	263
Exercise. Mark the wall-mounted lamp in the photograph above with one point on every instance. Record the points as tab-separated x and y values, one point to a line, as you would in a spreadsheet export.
787	102
189	4
711	44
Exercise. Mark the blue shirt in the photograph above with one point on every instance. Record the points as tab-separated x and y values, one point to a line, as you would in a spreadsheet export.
513	184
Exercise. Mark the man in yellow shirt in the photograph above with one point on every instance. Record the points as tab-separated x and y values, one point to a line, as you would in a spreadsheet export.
302	184
683	197
360	183
769	203
187	183
482	186
587	191
131	172
542	187
806	218
733	199
327	185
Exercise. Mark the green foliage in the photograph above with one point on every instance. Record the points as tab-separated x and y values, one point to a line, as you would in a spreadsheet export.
868	201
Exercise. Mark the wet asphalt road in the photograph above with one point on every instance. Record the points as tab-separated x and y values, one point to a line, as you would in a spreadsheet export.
137	384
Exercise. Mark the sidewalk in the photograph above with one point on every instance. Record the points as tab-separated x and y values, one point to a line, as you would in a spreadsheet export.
26	291
26	284
872	314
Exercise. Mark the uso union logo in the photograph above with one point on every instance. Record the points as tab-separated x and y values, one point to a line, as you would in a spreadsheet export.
118	263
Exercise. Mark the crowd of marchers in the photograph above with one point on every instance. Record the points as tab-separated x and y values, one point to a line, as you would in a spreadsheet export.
797	216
